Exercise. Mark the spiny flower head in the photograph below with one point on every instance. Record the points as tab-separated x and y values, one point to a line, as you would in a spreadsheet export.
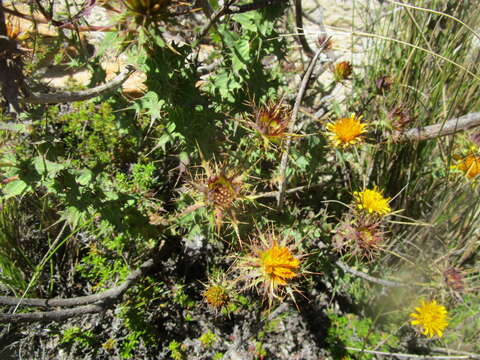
221	191
345	132
469	165
359	235
278	264
271	265
372	201
431	318
216	296
454	279
342	71
270	121
14	30
217	189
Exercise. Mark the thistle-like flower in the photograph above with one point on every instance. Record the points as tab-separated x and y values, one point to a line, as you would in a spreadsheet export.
14	30
345	132
342	71
372	201
219	190
359	236
469	165
431	318
454	279
271	267
219	292
216	296
269	121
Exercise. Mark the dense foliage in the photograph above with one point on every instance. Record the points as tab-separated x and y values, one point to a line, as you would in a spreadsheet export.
374	248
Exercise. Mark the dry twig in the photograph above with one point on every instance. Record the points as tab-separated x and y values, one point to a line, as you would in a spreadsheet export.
291	125
96	303
65	97
390	355
448	127
299	25
370	278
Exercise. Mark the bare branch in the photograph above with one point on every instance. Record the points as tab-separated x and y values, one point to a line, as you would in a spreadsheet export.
370	278
64	97
299	25
408	356
274	194
80	28
449	127
98	302
56	315
457	352
291	125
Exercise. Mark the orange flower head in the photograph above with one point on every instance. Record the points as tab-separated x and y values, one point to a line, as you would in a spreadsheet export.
345	132
216	296
469	165
272	266
342	71
278	264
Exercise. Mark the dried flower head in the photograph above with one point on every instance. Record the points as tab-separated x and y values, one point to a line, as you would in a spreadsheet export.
342	71
217	189
359	236
372	201
431	318
383	83
325	42
270	121
271	267
400	117
345	132
454	279
469	165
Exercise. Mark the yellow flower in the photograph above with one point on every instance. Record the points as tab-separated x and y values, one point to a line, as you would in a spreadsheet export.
470	165
431	317
278	265
372	201
346	131
271	267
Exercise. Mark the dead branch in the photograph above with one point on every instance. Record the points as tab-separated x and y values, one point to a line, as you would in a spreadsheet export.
299	28
37	20
448	127
55	315
408	356
70	96
291	125
370	278
97	303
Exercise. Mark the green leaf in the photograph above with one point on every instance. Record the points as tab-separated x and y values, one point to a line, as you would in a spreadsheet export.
84	176
14	188
46	167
